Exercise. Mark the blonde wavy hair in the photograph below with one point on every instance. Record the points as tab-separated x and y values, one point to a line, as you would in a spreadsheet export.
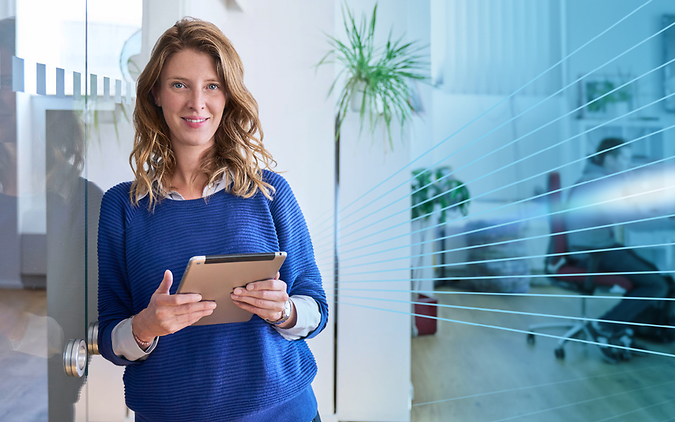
238	151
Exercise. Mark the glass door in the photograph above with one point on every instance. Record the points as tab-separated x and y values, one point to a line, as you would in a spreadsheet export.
65	101
46	217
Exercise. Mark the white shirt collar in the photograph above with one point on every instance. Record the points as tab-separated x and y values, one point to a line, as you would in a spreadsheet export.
208	190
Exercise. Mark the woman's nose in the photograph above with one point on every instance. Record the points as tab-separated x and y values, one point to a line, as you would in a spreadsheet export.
197	100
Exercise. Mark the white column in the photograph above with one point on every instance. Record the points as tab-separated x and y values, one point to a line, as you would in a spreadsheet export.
158	16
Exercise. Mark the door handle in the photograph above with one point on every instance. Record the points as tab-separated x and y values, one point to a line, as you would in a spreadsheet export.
92	338
77	352
75	358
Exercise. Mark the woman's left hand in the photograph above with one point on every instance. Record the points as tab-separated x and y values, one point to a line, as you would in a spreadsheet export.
265	298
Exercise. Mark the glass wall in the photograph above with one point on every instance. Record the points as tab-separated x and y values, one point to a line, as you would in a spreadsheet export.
551	297
44	206
548	297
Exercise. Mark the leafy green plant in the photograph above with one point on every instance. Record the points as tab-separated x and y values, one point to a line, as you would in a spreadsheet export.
597	89
381	73
433	189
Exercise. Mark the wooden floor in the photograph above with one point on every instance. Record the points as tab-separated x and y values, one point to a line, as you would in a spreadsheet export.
23	377
481	374
472	374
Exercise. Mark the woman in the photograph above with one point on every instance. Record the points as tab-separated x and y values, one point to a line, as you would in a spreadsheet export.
199	190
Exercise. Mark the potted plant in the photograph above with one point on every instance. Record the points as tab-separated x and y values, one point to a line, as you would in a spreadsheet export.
377	77
603	97
432	190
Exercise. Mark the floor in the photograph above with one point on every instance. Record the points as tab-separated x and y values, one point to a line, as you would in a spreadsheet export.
23	377
484	374
470	373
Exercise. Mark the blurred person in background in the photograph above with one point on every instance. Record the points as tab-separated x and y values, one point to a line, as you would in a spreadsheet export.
611	201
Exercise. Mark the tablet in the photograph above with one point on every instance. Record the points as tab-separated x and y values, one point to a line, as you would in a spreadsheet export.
216	276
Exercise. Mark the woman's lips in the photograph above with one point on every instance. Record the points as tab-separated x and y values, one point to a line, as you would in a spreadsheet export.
195	122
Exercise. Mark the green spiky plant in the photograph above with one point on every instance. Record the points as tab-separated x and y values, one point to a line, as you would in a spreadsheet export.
383	72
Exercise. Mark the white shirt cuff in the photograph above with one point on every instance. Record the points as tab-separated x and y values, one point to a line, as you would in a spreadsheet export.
124	344
308	318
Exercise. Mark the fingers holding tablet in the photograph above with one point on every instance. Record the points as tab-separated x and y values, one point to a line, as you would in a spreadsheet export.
265	298
167	313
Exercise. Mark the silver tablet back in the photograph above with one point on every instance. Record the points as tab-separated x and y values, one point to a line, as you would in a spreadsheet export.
215	277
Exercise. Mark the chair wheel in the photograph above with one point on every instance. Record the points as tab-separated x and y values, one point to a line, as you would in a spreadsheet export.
530	338
560	353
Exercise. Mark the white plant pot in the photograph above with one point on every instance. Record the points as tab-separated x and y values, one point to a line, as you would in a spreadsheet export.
356	100
357	97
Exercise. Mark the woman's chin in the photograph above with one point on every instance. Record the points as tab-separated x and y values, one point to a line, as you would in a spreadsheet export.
192	142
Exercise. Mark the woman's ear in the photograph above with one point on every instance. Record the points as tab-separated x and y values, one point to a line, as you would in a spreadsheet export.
155	96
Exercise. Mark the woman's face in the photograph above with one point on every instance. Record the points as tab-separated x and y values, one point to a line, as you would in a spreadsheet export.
620	161
192	99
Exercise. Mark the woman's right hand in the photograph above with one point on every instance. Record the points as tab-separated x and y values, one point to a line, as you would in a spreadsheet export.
169	313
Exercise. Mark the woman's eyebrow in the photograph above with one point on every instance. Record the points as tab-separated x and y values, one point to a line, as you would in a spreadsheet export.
179	78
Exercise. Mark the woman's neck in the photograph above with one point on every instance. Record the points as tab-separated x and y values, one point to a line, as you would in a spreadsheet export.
189	188
188	179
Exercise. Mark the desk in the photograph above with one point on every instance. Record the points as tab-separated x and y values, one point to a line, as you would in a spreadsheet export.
653	232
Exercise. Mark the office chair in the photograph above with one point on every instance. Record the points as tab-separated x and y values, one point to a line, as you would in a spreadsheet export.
584	283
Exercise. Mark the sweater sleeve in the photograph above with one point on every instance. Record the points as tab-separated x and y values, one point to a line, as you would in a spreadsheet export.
299	271
114	295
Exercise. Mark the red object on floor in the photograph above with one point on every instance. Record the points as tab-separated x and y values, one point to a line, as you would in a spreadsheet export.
426	326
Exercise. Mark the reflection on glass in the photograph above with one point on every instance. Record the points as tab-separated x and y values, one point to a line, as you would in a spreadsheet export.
24	326
612	197
9	237
43	261
72	212
617	225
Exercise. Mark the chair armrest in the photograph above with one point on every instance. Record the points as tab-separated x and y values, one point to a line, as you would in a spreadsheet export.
552	268
593	264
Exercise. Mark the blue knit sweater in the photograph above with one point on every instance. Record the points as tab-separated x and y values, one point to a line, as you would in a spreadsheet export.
229	372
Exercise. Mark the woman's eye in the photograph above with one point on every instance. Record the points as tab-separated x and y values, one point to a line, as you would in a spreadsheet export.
178	85
213	86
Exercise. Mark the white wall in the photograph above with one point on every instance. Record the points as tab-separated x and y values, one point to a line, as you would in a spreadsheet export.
374	344
495	48
588	19
373	359
279	43
7	8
